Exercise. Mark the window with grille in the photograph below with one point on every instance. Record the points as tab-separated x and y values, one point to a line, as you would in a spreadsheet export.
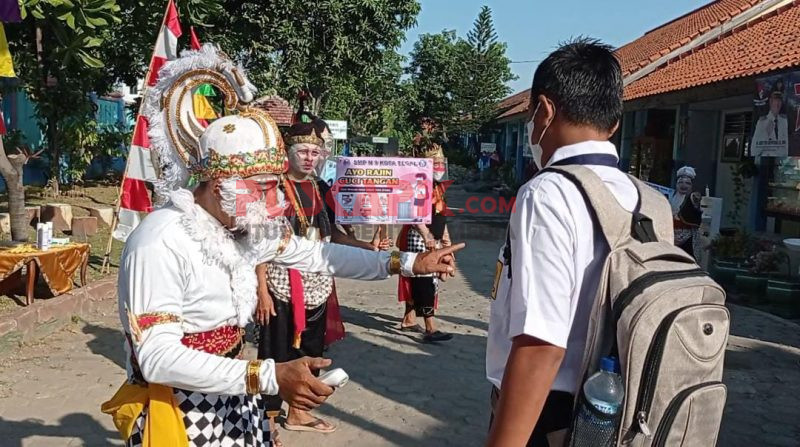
739	124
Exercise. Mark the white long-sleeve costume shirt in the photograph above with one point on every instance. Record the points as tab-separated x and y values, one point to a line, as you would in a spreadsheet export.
180	262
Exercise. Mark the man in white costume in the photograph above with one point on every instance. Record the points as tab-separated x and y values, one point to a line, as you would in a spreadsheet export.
187	283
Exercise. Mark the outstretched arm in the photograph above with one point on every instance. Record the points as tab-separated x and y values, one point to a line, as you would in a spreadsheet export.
351	262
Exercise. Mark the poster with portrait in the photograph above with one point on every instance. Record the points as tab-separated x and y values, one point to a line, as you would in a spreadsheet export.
793	112
771	128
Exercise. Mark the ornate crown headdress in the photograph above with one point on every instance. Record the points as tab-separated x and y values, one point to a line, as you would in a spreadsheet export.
425	143
306	128
183	148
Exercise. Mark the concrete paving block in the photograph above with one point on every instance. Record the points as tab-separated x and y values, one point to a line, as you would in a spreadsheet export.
104	215
84	226
33	214
58	213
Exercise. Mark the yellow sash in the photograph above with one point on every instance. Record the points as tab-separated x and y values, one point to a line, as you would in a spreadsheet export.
164	423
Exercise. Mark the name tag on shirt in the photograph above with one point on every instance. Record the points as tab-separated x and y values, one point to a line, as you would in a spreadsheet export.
498	272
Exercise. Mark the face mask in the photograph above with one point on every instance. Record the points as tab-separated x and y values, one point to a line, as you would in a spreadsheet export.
256	215
439	170
536	149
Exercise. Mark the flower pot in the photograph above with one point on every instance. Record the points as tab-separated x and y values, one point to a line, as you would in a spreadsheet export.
752	284
725	272
783	291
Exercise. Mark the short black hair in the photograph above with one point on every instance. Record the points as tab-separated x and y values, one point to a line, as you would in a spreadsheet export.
583	78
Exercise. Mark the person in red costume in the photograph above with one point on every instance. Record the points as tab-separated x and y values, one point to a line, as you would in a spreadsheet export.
298	312
420	294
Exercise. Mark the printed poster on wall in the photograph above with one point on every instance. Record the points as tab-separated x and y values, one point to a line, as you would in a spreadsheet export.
777	117
377	190
793	113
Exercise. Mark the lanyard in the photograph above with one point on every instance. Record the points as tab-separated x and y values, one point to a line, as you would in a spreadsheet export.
585	160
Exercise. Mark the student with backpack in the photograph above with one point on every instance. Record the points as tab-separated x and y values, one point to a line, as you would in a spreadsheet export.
589	271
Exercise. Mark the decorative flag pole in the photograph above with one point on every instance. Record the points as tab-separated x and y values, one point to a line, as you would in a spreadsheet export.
133	196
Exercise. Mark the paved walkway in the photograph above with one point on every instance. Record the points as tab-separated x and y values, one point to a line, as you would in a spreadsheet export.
403	392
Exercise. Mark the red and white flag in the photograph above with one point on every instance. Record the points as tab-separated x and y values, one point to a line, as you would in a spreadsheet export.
167	43
135	197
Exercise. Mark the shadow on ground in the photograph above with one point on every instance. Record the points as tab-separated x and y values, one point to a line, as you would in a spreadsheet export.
76	425
443	381
106	342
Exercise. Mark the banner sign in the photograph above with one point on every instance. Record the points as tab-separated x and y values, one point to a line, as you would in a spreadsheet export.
488	147
777	116
376	190
338	129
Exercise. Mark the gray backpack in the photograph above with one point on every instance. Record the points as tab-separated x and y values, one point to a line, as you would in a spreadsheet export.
662	316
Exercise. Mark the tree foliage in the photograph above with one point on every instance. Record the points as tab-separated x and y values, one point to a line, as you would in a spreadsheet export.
435	69
315	46
487	74
57	52
457	82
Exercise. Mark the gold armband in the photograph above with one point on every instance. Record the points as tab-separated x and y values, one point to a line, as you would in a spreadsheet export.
394	263
253	378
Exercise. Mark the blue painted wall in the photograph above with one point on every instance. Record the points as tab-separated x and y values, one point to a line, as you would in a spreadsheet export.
19	113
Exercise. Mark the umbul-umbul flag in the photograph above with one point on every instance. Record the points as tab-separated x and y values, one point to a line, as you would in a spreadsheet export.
135	197
167	43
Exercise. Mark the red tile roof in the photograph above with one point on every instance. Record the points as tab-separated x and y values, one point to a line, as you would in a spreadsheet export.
767	44
278	108
514	104
678	32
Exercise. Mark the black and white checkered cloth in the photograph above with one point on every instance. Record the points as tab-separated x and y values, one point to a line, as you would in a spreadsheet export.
416	244
214	420
316	287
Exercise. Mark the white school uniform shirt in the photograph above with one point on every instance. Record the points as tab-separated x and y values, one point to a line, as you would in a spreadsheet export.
556	264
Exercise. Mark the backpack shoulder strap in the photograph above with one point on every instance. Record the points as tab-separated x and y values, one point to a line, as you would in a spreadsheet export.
613	219
656	207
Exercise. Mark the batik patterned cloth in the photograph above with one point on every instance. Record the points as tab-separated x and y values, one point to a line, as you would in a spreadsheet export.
216	420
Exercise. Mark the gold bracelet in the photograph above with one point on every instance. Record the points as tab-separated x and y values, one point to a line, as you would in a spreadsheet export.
394	263
253	378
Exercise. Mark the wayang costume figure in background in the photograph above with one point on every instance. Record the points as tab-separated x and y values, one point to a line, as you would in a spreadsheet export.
298	312
420	294
686	212
187	282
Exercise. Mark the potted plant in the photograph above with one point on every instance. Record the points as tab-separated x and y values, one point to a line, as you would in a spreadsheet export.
730	253
763	265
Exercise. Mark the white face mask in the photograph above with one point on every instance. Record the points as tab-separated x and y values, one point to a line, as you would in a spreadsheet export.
536	149
259	219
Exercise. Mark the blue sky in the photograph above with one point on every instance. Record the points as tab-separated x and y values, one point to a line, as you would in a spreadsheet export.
532	28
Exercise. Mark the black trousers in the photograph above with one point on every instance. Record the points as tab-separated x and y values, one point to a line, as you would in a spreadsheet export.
278	335
423	292
556	415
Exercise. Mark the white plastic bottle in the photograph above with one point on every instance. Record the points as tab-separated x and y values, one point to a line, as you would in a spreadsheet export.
603	391
40	236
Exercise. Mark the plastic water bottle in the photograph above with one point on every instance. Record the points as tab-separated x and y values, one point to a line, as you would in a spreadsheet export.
603	391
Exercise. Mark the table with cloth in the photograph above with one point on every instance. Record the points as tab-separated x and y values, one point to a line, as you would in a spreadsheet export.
57	266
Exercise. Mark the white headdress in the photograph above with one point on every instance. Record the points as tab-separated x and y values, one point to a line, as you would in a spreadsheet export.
687	171
234	146
245	144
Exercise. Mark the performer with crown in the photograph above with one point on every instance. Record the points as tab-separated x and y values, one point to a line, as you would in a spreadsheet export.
187	281
420	294
298	312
